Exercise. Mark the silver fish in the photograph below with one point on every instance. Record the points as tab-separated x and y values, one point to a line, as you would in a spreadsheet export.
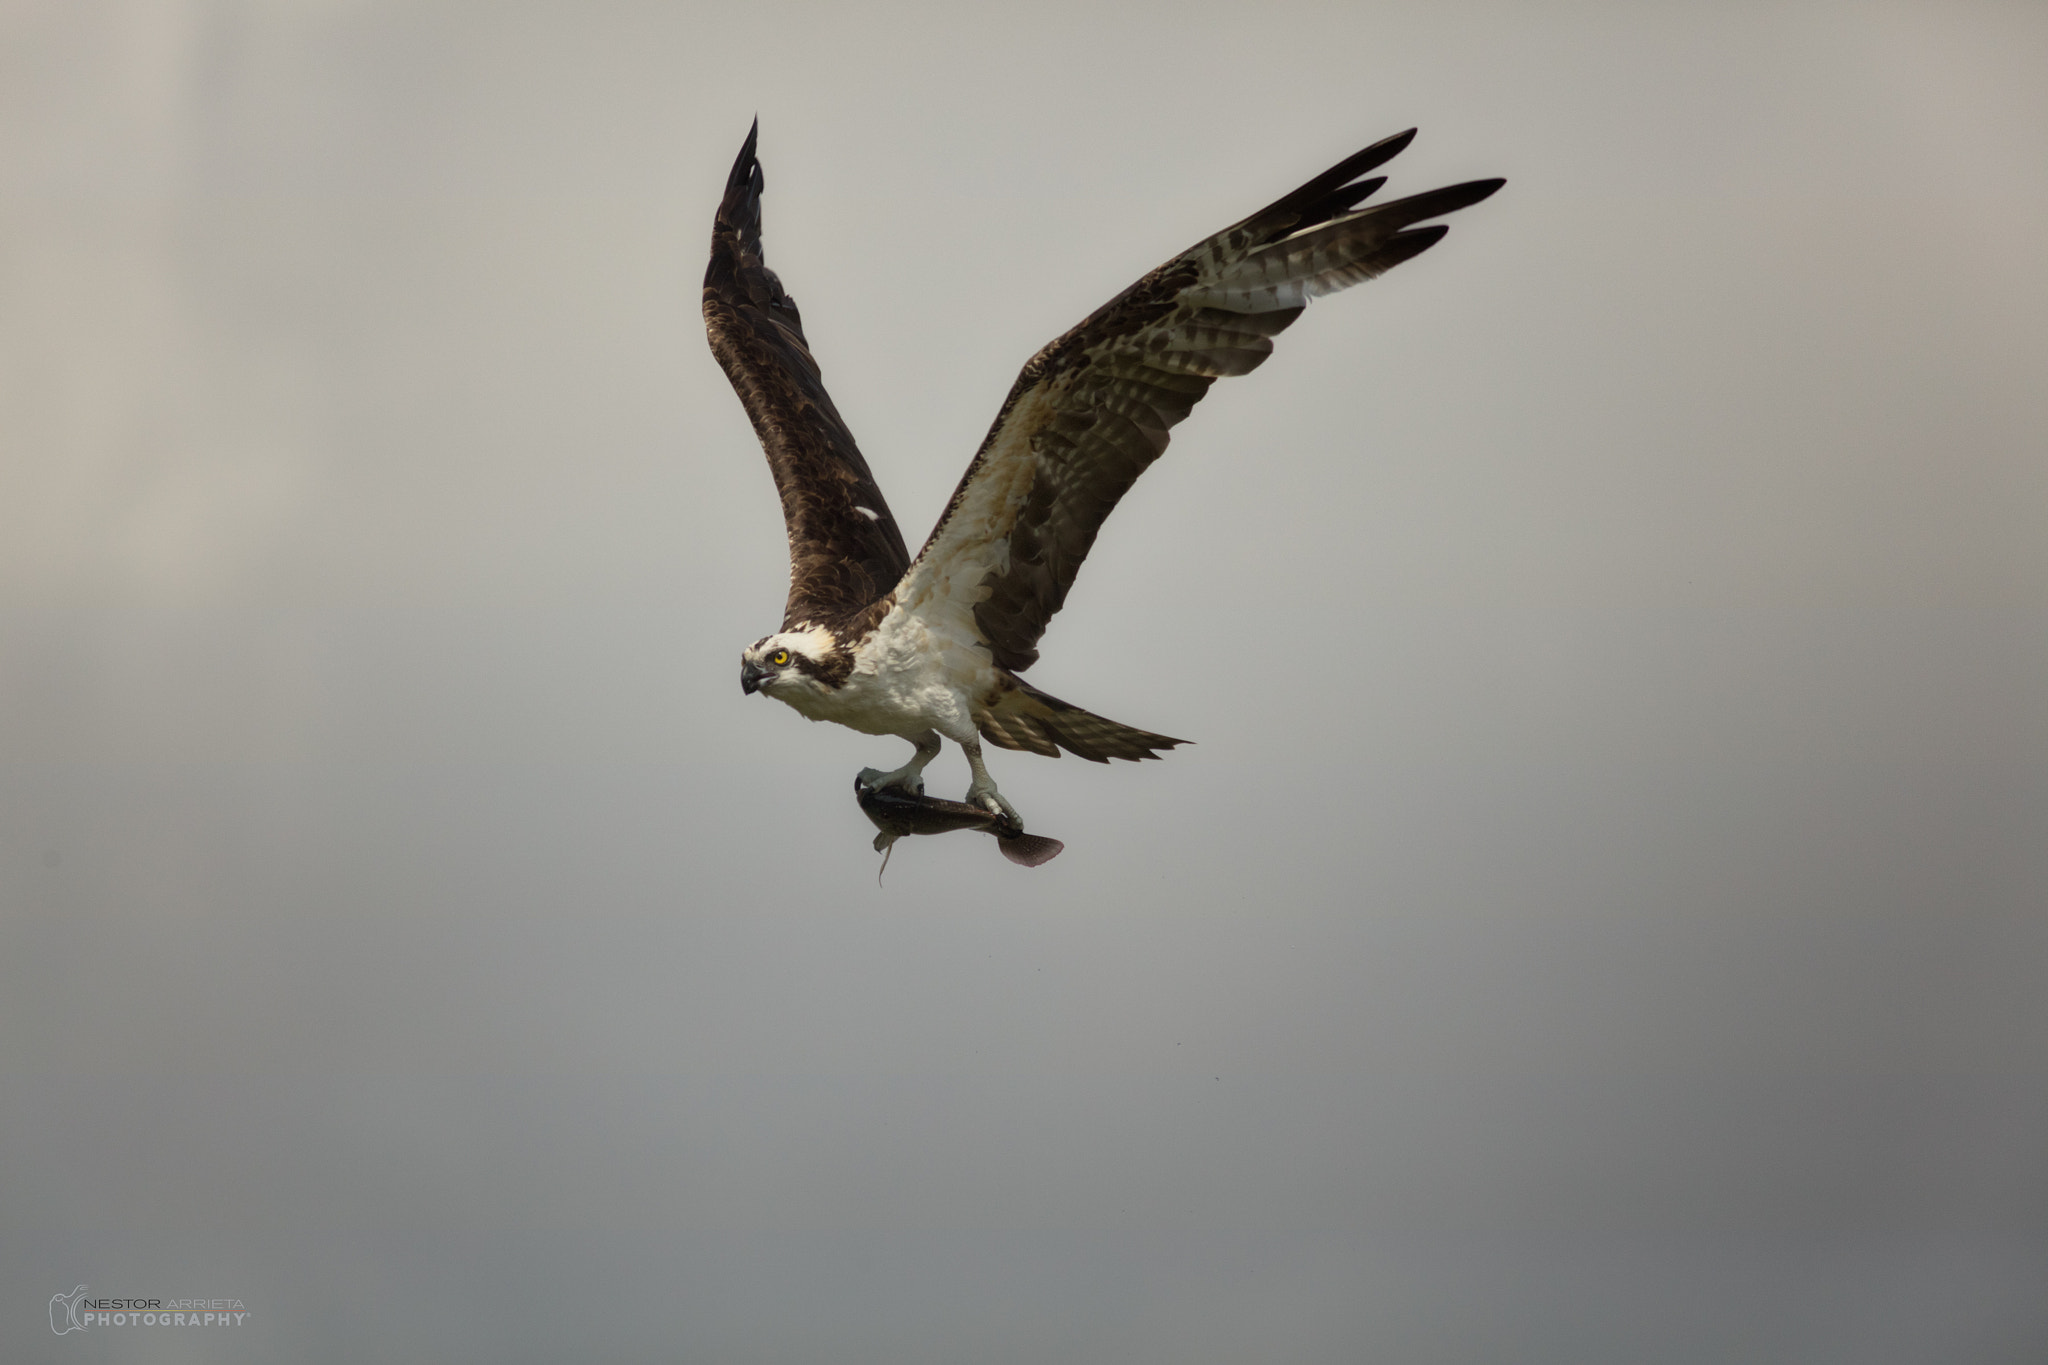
897	812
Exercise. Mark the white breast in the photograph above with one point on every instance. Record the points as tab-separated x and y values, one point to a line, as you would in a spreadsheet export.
908	677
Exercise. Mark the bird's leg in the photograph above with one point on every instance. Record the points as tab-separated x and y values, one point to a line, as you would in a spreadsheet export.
982	791
910	777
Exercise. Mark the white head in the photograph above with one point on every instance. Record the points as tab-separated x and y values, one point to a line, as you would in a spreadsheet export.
792	663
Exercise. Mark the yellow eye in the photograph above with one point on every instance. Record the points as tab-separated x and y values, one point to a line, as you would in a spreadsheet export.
779	657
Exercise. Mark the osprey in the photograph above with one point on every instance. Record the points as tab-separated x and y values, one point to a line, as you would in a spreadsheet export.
932	647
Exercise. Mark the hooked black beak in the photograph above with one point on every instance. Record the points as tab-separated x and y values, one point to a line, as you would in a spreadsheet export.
751	677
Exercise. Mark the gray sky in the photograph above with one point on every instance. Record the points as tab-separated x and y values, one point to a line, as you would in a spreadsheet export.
1600	919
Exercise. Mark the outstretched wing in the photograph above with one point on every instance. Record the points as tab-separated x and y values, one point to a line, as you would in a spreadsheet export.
844	548
1093	409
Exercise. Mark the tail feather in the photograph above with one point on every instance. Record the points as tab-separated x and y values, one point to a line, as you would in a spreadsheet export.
1019	716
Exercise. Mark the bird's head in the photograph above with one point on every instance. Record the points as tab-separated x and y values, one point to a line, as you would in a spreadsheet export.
790	663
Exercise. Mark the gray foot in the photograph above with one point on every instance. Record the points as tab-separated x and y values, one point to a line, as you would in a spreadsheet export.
988	798
909	777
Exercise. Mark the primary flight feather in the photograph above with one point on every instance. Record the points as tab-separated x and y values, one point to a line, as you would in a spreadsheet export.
932	647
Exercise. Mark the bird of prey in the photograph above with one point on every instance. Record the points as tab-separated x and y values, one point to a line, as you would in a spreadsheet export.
933	647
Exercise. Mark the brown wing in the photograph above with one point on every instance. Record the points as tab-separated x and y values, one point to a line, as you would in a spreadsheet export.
844	548
1092	410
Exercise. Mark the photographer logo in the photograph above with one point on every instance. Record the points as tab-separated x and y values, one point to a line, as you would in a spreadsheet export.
74	1312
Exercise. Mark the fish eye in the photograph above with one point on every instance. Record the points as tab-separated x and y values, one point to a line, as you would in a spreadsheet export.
779	657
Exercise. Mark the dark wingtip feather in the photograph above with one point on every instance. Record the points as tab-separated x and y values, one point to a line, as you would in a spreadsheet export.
1431	203
745	168
1406	246
1351	196
740	209
1369	159
1451	198
1483	189
1330	193
1391	251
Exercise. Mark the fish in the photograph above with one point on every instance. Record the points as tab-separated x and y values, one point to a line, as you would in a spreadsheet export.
896	812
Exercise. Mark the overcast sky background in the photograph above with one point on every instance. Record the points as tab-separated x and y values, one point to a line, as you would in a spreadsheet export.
1601	918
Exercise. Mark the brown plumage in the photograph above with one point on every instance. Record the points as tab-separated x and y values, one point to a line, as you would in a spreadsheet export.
931	647
1134	368
1015	715
840	559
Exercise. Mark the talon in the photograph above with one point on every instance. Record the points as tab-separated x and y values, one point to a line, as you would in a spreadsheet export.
991	800
908	779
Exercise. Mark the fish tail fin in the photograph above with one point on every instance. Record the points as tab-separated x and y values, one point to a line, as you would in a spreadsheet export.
1031	850
1019	716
